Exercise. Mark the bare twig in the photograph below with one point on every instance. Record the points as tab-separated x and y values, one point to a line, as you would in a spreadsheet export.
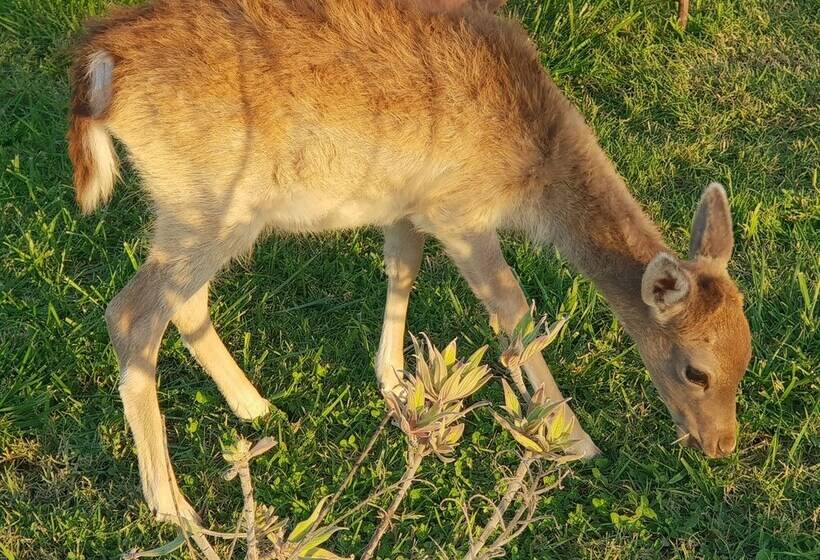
528	497
515	526
371	499
233	541
518	379
413	465
204	546
464	511
249	509
240	455
431	418
222	534
430	414
514	487
349	478
681	438
487	499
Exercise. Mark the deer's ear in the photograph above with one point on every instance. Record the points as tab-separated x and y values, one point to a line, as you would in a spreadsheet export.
665	285
712	235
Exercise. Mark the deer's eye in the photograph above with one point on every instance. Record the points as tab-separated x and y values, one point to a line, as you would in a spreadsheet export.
697	377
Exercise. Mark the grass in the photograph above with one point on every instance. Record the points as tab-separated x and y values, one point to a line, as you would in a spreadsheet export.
734	98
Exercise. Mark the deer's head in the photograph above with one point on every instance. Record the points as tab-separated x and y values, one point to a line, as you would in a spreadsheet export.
698	345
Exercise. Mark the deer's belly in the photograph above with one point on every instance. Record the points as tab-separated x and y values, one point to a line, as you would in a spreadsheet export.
306	210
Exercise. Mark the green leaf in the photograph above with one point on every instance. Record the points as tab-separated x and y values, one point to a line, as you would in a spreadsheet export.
524	326
475	358
454	434
510	400
529	329
417	397
533	348
417	349
503	421
163	550
526	442
236	451
539	413
449	353
541	342
537	327
439	368
473	381
302	528
321	554
558	325
450	388
320	537
559	427
553	331
429	418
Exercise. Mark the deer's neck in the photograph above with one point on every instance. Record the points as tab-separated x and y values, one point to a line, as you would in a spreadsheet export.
596	224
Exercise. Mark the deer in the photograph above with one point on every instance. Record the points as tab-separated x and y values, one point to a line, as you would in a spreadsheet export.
428	120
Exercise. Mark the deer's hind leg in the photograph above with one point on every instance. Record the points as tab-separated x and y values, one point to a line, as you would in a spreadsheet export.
193	322
182	260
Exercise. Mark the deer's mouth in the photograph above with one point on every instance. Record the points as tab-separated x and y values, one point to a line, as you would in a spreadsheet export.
685	438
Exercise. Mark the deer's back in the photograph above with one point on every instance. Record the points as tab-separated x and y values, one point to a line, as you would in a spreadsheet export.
322	114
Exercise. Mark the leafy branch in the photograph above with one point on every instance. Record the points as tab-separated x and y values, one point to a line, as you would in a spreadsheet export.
430	414
539	427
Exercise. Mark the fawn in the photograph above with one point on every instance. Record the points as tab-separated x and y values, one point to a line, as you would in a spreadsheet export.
244	116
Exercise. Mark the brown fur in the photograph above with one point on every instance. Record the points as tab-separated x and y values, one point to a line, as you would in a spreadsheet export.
79	121
313	115
80	155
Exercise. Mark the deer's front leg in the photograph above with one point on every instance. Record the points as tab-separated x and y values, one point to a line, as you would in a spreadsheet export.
479	259
403	247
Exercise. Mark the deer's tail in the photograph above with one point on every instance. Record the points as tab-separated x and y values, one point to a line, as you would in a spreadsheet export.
90	146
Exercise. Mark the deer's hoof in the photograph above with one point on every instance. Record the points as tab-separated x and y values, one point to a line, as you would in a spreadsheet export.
251	408
585	449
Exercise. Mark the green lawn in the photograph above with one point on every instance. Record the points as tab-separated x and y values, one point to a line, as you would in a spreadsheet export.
734	99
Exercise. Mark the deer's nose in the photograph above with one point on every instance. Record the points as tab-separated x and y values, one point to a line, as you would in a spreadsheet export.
719	447
727	443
